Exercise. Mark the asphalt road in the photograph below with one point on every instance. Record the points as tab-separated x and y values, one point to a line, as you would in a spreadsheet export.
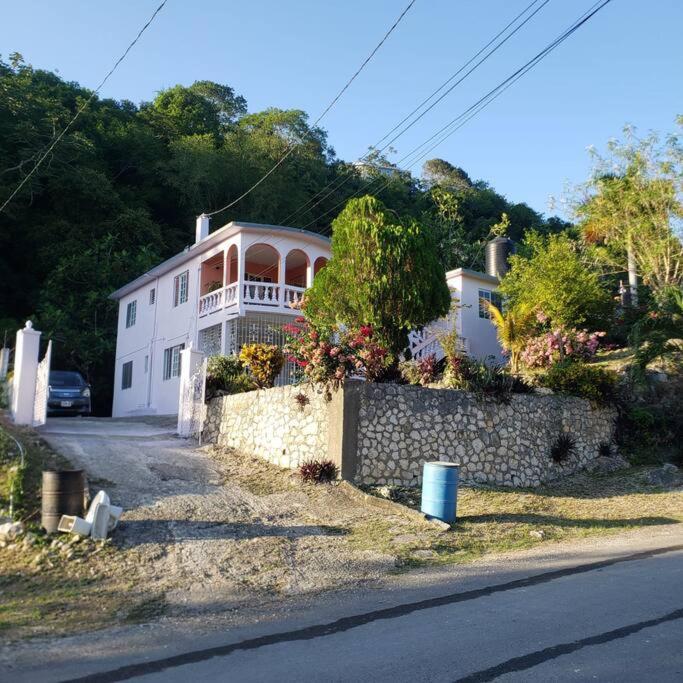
604	609
619	618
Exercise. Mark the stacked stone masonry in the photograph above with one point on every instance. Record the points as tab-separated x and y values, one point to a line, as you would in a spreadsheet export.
400	428
271	424
388	432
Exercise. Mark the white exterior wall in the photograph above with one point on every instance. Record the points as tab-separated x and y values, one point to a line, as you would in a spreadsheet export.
160	325
480	333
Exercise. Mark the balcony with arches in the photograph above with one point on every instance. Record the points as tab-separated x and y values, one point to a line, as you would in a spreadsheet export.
257	277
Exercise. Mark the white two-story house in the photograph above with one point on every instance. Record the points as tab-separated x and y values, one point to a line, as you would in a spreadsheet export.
236	286
231	287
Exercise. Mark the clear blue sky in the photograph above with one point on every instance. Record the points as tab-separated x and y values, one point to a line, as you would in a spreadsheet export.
625	65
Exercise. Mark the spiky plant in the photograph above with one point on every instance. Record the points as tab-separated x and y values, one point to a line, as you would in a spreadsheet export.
563	448
514	327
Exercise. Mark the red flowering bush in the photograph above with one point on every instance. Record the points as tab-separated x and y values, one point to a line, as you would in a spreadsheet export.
547	349
421	371
329	358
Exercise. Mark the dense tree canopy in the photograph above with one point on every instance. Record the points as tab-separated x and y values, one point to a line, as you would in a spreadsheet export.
549	276
383	272
122	188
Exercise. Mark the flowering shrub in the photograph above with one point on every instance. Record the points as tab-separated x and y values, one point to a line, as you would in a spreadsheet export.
546	349
328	359
264	362
226	375
421	371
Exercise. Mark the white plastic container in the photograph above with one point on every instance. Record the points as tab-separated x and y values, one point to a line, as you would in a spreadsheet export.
74	525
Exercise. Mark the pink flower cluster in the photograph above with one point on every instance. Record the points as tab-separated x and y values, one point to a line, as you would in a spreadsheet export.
326	361
546	349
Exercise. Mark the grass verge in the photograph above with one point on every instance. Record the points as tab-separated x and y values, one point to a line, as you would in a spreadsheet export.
495	520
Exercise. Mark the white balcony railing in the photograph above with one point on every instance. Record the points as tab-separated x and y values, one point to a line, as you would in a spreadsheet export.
250	295
213	301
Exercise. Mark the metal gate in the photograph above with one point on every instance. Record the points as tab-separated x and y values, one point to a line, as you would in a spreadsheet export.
42	388
192	409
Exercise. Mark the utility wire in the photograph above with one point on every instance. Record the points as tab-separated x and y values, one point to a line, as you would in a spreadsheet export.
83	106
469	113
431	96
292	146
483	102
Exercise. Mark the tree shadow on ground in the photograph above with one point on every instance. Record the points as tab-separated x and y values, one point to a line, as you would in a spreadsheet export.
566	522
139	532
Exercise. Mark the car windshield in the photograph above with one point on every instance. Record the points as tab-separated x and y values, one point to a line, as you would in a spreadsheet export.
59	378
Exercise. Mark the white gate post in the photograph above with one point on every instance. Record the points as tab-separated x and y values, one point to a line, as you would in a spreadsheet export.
25	374
190	363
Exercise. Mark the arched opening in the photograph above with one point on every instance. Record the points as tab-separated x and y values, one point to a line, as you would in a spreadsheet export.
212	274
261	263
319	264
231	264
296	264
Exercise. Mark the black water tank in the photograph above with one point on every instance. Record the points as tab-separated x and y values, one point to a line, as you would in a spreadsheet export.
63	494
498	251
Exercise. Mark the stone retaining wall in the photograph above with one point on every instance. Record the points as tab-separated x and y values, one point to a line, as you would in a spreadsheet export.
271	424
402	427
384	433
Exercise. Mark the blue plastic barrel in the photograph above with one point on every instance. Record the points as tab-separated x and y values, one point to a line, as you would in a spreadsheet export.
440	490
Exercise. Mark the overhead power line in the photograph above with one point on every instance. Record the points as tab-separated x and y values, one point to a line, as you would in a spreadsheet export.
82	108
292	146
500	35
469	113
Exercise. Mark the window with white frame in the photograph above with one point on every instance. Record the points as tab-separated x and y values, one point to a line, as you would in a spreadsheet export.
180	283
172	361
152	296
131	311
127	375
485	296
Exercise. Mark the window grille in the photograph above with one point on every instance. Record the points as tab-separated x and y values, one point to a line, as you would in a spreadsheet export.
131	311
127	375
264	329
210	340
172	361
180	283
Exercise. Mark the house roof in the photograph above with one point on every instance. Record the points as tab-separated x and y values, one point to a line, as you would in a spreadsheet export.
209	241
474	274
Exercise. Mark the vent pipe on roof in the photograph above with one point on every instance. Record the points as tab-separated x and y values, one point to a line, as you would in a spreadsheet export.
498	251
202	229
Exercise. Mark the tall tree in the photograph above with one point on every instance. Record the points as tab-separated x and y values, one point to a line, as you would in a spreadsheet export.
632	210
384	272
549	275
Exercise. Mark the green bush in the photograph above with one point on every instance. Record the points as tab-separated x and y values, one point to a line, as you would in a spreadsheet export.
579	379
226	375
487	380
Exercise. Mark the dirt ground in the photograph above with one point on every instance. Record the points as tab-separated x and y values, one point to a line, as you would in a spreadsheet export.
208	530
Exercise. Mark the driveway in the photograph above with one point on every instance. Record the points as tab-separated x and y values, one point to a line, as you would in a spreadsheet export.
195	540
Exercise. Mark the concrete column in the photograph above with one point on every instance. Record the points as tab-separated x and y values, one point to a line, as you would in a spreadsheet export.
190	360
309	270
281	267
25	374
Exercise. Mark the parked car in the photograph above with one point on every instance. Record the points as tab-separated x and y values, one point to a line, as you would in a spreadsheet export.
68	392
